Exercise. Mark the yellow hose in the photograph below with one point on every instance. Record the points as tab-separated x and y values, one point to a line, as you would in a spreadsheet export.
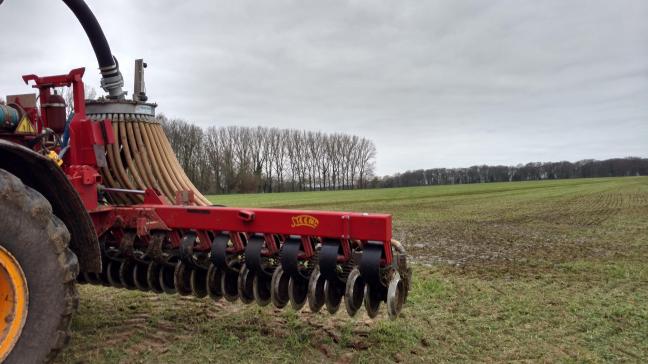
141	158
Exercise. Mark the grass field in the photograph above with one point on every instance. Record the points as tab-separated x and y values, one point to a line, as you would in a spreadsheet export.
537	271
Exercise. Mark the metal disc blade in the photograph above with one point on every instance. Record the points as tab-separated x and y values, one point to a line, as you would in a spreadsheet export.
140	276
261	289
245	285
372	300
279	294
396	293
113	274
198	283
316	298
182	278
354	292
126	270
229	284
332	295
153	277
166	279
297	292
213	283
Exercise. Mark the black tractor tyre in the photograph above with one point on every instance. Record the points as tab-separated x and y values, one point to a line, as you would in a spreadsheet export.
39	242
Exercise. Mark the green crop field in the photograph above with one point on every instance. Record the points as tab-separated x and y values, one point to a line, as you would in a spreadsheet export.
529	271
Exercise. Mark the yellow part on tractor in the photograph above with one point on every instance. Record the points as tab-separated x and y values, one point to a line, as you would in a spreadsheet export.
14	299
55	158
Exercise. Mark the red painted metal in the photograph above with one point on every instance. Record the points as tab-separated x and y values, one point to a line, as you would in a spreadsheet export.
87	138
45	85
85	134
338	225
85	180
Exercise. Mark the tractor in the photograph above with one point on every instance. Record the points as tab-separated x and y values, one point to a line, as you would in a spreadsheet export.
96	195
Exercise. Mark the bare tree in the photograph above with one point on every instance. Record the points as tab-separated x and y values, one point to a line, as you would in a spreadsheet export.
237	159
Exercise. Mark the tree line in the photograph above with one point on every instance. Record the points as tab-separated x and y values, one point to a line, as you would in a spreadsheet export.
236	159
616	167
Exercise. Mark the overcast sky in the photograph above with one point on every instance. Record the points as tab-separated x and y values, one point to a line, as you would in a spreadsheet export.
432	83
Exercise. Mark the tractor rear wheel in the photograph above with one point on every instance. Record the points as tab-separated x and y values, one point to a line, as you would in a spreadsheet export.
37	275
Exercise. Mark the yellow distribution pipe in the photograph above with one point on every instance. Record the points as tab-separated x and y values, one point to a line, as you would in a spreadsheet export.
153	161
130	164
164	172
173	173
145	155
114	160
142	157
137	155
122	172
189	186
178	171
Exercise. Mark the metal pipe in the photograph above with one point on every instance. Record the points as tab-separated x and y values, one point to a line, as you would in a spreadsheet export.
123	190
112	81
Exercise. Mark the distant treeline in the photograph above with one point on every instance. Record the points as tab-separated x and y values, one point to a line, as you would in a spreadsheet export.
617	167
237	159
244	159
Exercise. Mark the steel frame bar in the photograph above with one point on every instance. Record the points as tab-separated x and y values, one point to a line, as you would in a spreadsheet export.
363	227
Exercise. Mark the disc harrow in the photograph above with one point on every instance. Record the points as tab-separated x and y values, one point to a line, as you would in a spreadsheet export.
267	268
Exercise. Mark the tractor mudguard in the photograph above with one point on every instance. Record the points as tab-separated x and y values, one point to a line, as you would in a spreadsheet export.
41	174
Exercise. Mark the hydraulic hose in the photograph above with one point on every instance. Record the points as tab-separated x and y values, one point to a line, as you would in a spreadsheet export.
112	80
66	131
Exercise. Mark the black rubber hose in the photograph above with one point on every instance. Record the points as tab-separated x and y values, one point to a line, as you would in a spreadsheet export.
94	32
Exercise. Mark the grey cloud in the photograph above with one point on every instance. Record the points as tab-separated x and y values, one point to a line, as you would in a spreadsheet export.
434	84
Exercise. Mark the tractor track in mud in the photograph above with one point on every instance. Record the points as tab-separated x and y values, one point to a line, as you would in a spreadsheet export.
140	334
154	326
518	233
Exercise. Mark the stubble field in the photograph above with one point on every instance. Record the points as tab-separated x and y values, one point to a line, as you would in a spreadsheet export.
528	271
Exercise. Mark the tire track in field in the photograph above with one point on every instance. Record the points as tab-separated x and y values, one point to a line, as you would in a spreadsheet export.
536	229
144	333
583	210
637	200
141	334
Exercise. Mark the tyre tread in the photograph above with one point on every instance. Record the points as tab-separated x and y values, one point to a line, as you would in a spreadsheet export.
34	205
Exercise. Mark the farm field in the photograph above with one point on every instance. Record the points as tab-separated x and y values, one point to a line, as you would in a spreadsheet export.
522	271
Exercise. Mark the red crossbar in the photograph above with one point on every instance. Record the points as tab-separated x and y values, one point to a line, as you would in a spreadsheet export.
152	216
328	224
